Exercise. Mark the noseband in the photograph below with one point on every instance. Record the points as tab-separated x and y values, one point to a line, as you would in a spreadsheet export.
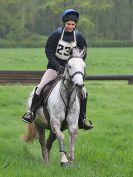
71	76
78	72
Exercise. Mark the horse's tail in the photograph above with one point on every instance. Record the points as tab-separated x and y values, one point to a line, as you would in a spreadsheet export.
31	134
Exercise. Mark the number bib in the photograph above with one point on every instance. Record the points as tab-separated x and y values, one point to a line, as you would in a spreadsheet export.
63	48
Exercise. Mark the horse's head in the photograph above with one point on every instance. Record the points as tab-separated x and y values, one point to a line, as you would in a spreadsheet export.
75	68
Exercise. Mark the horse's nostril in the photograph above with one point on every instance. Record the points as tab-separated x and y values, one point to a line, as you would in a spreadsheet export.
79	86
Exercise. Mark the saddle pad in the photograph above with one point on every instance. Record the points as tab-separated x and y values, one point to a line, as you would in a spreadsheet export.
46	91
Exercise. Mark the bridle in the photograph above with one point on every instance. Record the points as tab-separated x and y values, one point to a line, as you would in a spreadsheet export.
77	72
69	79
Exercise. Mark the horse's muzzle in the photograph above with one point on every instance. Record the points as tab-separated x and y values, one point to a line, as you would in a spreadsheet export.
79	86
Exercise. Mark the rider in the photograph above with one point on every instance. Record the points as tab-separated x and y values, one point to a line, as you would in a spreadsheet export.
57	50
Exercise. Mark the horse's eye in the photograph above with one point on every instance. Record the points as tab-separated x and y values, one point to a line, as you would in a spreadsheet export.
69	67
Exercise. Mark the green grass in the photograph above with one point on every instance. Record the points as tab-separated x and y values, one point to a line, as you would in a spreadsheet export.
99	60
105	151
110	61
22	59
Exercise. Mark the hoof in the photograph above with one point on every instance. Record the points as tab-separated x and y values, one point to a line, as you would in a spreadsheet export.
71	163
46	163
64	164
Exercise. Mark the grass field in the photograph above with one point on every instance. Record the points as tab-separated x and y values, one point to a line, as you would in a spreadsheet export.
99	60
105	151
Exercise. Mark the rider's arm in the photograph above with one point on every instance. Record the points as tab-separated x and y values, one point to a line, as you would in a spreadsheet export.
81	44
50	49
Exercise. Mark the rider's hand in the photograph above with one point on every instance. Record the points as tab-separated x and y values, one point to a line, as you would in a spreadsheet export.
60	69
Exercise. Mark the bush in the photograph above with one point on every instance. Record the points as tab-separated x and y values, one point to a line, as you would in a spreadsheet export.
110	43
32	42
7	43
37	41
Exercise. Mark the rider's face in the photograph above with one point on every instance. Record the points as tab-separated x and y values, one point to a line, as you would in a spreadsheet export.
70	26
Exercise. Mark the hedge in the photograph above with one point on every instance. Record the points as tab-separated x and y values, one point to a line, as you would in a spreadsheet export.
40	43
110	43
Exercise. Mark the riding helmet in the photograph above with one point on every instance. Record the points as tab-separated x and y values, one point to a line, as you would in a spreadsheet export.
70	15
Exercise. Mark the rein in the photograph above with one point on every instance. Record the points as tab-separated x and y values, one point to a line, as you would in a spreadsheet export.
67	105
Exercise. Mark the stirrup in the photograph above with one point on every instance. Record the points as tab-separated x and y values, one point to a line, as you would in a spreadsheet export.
28	117
87	126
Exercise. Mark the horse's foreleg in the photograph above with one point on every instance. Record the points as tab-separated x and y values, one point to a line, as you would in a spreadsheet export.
60	137
50	140
41	137
72	140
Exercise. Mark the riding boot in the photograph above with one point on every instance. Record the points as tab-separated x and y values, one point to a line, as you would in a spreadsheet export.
30	115
83	123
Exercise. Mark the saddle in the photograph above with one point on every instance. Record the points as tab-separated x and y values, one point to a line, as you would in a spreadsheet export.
46	91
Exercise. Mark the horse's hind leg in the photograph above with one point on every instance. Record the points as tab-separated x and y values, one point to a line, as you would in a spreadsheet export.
41	134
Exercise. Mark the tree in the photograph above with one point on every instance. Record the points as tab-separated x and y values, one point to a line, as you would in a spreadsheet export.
131	17
99	19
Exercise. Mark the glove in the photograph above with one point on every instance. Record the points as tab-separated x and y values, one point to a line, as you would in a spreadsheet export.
60	69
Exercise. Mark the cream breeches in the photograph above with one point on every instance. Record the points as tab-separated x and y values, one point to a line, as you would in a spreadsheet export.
48	76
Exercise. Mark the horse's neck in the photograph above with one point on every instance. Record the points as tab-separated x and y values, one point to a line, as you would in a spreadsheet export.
67	90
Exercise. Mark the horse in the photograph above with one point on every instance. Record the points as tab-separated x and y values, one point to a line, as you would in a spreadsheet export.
63	106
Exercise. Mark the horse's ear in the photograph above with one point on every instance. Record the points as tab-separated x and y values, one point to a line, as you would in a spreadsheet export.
76	52
83	52
73	52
